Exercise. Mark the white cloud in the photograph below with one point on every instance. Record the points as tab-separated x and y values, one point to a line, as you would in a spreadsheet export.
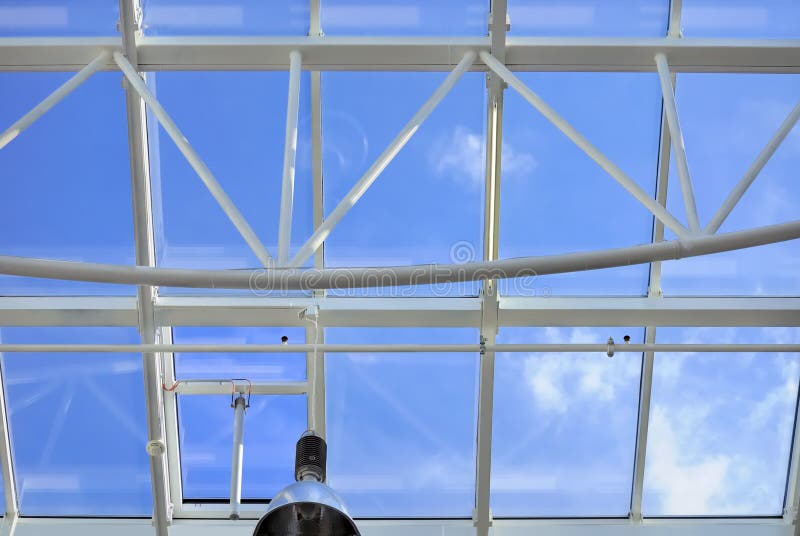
460	156
685	488
559	380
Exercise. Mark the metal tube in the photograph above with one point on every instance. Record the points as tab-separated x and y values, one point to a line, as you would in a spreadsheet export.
753	171
211	387
237	456
260	280
381	162
194	160
289	159
54	98
585	145
678	147
394	348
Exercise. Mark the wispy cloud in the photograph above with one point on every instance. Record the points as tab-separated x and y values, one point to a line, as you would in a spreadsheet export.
460	156
559	380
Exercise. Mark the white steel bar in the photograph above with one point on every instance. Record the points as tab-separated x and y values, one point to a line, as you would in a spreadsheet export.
482	514
585	145
752	172
194	160
289	159
394	348
258	280
315	376
172	433
54	98
229	387
237	456
355	193
145	256
678	146
11	506
159	53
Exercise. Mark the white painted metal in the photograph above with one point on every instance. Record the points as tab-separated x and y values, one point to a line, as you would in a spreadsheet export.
260	281
400	311
216	190
393	348
678	147
361	186
407	53
585	145
145	256
54	98
230	387
752	172
11	505
237	455
422	527
289	159
171	428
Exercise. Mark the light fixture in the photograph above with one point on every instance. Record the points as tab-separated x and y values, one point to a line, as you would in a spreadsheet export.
307	507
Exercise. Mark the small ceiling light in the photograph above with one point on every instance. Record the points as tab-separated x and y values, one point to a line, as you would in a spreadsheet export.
307	507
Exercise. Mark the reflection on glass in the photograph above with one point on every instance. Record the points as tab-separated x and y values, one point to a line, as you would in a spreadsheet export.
741	18
720	425
77	424
564	426
56	18
254	367
555	199
272	425
404	17
586	18
726	120
65	181
236	123
232	17
401	427
426	206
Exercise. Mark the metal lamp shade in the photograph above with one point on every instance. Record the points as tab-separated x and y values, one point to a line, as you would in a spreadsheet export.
306	508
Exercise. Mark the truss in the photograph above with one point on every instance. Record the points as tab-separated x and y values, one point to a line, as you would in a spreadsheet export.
154	315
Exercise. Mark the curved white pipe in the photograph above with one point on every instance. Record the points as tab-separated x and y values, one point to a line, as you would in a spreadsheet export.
264	280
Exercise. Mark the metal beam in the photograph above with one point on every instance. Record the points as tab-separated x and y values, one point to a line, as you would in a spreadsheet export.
584	144
218	193
54	98
289	159
145	256
11	505
676	136
383	160
407	53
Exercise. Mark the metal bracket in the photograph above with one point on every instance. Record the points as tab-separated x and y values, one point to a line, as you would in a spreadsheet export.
611	347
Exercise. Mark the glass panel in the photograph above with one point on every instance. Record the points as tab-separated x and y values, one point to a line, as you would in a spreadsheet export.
631	18
77	425
401	427
272	426
741	18
564	426
232	17
720	425
404	17
65	181
254	367
726	121
58	18
236	122
427	205
555	199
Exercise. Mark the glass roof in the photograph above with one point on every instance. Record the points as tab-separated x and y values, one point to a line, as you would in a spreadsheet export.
424	433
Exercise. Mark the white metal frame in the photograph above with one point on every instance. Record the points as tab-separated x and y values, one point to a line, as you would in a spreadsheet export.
154	315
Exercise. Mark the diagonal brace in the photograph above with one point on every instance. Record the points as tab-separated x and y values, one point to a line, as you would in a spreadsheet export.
678	147
585	145
194	160
289	159
381	162
54	98
752	172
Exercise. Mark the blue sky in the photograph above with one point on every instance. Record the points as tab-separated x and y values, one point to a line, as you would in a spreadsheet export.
402	428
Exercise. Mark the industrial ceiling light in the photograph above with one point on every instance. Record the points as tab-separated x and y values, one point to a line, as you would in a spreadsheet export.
307	507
